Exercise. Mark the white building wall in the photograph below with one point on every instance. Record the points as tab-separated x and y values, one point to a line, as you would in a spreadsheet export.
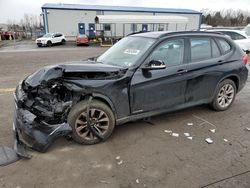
66	21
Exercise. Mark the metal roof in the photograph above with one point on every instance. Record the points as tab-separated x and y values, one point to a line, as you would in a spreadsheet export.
118	8
138	19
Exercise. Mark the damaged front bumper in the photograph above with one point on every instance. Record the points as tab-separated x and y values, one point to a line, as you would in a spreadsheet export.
28	132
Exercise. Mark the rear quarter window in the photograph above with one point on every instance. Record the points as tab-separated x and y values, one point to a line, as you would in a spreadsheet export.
225	46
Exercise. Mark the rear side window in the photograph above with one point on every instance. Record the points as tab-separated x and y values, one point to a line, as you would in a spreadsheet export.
224	45
200	49
215	49
235	36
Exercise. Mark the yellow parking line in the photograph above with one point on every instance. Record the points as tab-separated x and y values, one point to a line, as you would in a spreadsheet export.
6	90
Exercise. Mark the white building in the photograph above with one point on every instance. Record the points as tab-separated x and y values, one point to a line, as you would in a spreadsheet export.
116	21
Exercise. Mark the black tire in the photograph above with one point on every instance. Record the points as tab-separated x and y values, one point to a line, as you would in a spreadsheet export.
220	95
77	114
49	43
39	45
63	42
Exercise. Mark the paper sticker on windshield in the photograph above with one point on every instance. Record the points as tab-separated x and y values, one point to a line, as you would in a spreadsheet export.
132	51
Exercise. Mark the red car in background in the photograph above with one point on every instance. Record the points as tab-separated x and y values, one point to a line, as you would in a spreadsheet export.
82	40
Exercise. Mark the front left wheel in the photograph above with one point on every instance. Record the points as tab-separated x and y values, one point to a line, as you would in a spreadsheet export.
101	119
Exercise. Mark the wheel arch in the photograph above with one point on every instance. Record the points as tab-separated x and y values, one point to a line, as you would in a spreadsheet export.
235	78
102	98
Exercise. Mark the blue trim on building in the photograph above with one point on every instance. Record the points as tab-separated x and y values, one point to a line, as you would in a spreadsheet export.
118	8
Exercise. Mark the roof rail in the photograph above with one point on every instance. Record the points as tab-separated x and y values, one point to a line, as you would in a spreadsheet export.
191	32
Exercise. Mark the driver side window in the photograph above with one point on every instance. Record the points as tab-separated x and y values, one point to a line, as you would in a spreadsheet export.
171	52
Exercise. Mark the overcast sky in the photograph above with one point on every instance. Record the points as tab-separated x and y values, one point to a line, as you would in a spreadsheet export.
15	9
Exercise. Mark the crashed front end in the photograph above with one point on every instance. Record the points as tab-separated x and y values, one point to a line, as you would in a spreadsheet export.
44	99
41	106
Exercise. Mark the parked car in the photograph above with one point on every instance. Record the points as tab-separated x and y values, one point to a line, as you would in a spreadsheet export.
82	40
51	38
140	76
239	37
247	30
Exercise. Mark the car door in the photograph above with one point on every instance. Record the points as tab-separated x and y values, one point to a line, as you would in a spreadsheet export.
160	89
203	69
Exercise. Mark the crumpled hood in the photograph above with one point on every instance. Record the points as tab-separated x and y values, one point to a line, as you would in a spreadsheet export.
80	69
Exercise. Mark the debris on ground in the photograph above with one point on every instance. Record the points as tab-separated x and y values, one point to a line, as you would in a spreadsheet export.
118	158
209	140
247	128
105	182
225	140
212	130
190	137
190	124
137	181
168	131
204	121
120	162
187	134
7	156
175	134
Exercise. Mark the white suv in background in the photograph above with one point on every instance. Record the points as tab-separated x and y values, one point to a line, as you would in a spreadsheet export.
51	38
239	37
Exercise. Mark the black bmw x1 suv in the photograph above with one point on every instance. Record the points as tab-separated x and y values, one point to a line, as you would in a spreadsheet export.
140	76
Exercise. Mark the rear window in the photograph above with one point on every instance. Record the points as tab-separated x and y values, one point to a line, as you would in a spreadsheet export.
225	46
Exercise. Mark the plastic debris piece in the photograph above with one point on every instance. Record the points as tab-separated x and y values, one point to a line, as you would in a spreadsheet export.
118	158
209	140
186	134
175	134
212	130
167	131
248	128
190	124
120	162
190	137
226	140
137	181
103	181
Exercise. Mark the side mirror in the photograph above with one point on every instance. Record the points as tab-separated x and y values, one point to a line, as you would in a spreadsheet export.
247	52
154	65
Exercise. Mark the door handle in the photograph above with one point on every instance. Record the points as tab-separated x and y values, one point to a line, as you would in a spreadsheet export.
181	71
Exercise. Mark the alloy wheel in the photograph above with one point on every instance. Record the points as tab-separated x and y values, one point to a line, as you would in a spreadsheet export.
98	119
226	95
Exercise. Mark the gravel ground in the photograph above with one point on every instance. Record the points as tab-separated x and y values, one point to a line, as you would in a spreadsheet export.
150	157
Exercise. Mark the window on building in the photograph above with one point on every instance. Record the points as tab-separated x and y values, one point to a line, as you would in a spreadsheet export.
133	27
161	27
107	27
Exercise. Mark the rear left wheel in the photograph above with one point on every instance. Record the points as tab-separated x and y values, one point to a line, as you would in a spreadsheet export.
224	96
101	119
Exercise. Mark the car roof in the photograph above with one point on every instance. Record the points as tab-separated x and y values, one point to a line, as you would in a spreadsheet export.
160	34
230	30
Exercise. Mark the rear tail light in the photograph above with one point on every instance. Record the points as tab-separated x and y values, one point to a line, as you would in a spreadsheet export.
245	59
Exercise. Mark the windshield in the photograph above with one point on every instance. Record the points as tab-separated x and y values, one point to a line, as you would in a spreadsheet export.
126	52
48	35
